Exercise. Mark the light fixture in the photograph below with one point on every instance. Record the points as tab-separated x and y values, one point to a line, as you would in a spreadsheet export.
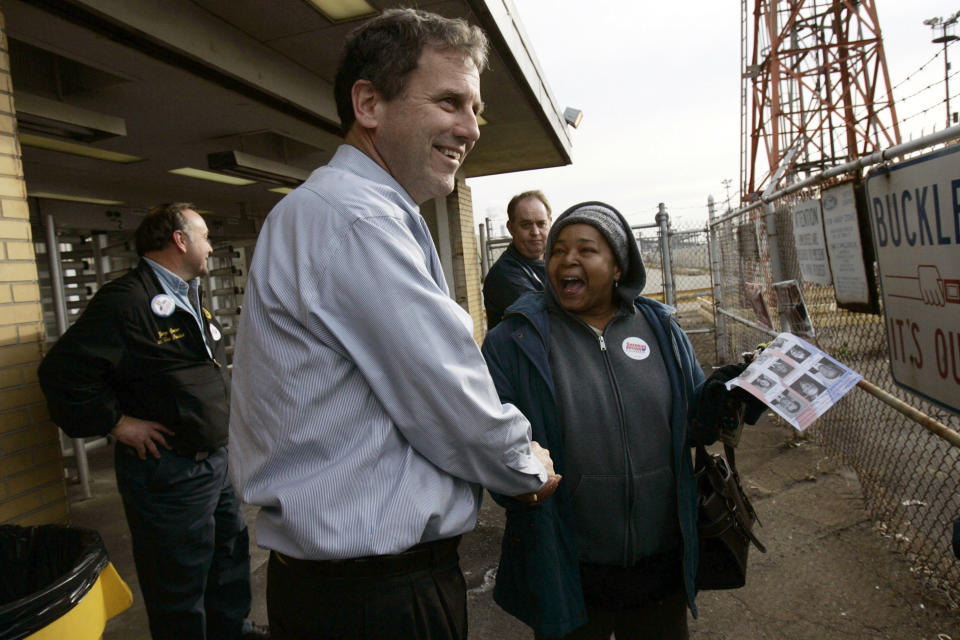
481	121
71	198
51	144
339	10
42	115
242	164
572	116
281	190
200	174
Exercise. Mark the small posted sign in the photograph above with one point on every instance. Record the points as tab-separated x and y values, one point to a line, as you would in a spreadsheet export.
792	308
810	243
842	226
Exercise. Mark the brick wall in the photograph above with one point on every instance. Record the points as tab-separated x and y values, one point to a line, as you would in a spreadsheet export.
32	489
466	260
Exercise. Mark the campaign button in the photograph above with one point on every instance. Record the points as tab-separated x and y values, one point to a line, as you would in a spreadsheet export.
162	305
636	348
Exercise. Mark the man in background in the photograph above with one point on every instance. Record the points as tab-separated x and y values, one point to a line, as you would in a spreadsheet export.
520	268
145	363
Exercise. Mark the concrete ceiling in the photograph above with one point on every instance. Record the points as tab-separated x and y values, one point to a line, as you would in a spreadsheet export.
191	78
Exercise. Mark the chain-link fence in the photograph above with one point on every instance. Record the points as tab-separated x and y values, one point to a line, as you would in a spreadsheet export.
910	476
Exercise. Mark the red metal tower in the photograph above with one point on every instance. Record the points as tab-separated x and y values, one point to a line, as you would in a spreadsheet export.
815	91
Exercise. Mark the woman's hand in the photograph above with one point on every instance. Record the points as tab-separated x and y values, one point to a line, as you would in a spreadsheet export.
723	409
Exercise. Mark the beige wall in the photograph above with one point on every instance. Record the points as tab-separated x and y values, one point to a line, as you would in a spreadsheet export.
32	489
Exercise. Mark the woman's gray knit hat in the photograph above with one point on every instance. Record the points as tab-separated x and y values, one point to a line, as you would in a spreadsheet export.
602	218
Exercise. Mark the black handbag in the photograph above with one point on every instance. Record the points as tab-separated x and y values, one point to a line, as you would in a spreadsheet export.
725	522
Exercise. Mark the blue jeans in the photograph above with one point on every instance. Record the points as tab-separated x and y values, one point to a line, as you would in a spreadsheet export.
190	543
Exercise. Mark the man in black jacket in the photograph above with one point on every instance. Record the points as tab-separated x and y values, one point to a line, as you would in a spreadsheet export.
520	268
145	363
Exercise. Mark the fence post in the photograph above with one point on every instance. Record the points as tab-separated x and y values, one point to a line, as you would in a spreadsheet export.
484	256
773	244
716	276
666	264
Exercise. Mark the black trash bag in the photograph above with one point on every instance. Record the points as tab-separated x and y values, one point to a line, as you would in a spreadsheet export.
44	572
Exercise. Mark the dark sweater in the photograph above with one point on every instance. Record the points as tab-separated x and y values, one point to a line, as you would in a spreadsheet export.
615	404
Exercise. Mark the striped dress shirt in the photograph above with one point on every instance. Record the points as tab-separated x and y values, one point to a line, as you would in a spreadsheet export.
363	419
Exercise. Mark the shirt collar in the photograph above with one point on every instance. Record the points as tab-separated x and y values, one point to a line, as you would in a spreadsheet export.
170	279
352	159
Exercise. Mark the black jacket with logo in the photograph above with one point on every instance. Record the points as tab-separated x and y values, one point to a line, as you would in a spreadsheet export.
511	276
120	357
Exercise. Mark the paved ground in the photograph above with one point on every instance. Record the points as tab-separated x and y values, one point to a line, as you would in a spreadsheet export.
827	573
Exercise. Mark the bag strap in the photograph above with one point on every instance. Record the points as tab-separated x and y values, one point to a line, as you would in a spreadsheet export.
730	453
703	459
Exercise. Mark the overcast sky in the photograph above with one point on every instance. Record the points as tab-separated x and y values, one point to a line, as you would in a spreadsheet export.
658	83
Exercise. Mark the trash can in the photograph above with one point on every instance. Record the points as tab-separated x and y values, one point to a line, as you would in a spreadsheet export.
56	582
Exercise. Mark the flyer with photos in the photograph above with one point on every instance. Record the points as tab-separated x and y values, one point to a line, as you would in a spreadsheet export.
797	380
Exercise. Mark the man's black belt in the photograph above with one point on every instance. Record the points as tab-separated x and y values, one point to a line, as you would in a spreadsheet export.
197	455
422	556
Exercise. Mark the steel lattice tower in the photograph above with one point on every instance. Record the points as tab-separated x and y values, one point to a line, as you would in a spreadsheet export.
815	91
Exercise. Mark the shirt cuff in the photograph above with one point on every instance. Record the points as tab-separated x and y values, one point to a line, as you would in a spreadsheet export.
525	462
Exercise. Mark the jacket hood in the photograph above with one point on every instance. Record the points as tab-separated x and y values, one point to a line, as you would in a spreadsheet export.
635	275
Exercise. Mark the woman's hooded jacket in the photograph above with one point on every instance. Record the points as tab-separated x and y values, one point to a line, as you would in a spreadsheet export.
538	579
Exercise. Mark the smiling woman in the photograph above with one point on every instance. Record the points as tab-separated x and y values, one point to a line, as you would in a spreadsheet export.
584	272
612	387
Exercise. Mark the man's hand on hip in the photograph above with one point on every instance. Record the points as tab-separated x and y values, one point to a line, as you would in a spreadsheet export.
142	435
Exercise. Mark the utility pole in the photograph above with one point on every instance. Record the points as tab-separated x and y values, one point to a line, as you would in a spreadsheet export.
726	185
945	38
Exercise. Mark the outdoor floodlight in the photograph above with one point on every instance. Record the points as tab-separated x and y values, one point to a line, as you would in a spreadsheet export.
572	116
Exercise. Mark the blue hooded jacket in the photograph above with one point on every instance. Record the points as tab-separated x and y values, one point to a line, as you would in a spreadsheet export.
538	579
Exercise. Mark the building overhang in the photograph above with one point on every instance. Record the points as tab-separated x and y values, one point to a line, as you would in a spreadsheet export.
190	78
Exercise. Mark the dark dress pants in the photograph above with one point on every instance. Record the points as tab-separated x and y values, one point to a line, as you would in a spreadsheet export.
427	603
190	543
643	602
662	619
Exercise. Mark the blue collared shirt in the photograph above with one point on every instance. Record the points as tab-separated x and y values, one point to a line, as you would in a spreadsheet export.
363	419
186	295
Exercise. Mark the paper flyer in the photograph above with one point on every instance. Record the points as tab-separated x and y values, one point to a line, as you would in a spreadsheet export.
755	296
792	308
797	380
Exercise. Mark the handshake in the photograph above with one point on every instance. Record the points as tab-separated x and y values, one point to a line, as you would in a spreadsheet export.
553	480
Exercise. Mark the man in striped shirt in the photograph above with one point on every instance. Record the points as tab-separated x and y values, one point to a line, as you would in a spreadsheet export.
364	421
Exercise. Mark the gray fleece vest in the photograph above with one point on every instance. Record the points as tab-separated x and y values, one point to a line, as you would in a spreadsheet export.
613	395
